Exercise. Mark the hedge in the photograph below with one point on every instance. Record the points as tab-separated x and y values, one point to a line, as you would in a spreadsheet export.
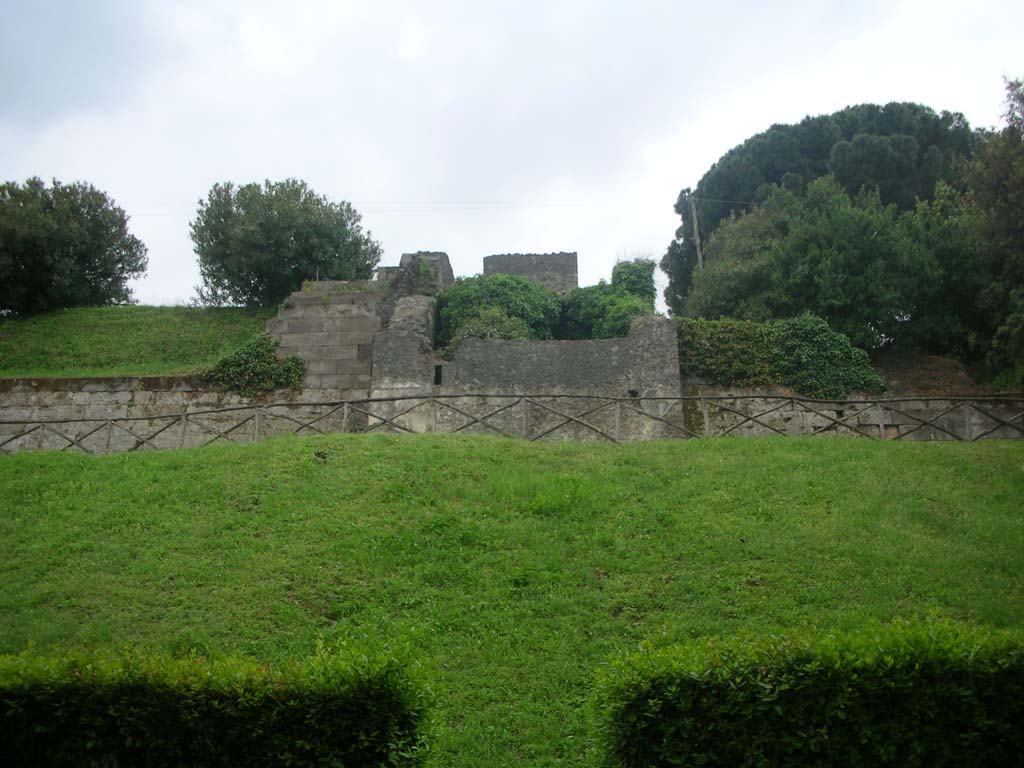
908	694
136	709
803	353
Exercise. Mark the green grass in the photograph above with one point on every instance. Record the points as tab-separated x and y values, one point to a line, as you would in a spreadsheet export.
513	569
123	341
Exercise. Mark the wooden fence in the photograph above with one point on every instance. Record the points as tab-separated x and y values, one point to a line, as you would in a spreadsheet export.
536	417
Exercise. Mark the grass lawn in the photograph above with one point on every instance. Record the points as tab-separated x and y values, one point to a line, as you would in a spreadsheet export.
513	569
123	341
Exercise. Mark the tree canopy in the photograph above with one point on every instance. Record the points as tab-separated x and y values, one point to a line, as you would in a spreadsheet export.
879	276
902	149
996	192
912	234
513	297
66	245
606	311
256	244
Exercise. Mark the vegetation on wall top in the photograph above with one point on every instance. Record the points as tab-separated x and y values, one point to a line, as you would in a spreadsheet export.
802	353
606	311
516	297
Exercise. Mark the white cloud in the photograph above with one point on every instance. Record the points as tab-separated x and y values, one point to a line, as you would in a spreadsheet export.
458	126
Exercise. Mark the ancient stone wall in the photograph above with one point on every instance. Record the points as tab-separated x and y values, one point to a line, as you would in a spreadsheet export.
557	271
330	325
403	354
109	415
112	415
646	363
371	366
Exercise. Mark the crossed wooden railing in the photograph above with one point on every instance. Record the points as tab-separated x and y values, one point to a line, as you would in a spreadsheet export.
536	417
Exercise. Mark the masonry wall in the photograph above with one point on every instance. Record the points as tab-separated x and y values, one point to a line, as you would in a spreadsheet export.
111	415
151	413
557	271
644	363
330	325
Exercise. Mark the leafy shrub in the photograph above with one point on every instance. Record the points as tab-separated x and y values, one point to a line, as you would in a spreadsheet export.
352	709
255	368
802	353
635	278
517	297
584	309
606	311
910	694
490	323
619	317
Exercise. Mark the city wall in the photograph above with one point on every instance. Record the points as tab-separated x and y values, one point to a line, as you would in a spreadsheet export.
371	366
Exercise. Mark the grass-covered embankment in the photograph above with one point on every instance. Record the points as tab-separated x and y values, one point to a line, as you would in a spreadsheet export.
513	569
123	341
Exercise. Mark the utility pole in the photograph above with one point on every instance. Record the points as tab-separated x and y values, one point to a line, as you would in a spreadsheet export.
696	231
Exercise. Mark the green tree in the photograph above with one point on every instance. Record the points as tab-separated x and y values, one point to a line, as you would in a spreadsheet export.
515	297
488	323
996	180
636	278
851	260
606	311
256	244
66	245
584	309
901	149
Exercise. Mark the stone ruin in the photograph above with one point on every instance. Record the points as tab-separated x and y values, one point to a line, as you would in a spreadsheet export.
557	271
376	338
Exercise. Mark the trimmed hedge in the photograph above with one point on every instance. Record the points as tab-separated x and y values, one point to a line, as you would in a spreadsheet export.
803	353
908	694
255	368
132	709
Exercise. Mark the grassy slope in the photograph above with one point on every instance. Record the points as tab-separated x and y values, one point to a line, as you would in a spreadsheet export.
123	341
514	568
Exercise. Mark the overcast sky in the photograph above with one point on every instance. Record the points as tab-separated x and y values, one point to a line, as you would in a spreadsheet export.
468	127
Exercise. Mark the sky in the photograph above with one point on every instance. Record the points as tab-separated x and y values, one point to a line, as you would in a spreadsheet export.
466	127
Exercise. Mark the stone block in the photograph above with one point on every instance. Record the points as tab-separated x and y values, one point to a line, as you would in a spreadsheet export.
300	299
358	309
353	366
305	339
277	325
338	324
347	352
324	366
557	271
308	324
325	381
351	338
368	324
